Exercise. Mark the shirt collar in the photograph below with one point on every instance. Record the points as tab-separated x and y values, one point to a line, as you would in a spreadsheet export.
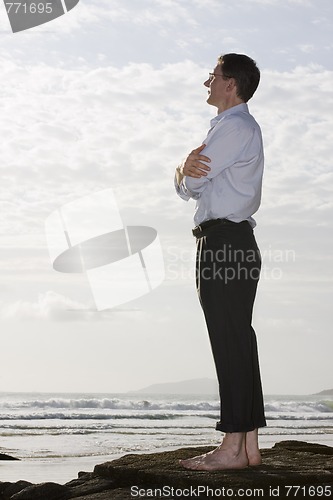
243	107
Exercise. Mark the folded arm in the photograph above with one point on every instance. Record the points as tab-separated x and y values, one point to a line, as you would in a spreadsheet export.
226	148
192	166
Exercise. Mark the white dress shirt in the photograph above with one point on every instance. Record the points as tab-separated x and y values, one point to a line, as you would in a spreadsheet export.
232	188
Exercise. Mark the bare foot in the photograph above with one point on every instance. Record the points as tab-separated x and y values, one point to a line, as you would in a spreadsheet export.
216	460
231	454
252	448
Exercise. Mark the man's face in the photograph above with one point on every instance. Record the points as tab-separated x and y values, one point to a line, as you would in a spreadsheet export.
216	85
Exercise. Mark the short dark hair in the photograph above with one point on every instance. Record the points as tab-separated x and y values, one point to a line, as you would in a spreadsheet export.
245	72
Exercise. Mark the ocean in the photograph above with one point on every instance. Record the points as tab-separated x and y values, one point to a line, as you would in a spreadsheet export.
57	435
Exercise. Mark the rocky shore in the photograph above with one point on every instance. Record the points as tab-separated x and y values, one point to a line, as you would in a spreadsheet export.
291	469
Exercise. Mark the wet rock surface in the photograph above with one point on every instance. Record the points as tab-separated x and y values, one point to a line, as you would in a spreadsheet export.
3	456
291	469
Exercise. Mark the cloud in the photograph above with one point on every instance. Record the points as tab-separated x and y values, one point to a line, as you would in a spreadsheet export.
119	32
53	306
303	3
294	113
74	126
111	95
70	132
307	48
161	13
49	306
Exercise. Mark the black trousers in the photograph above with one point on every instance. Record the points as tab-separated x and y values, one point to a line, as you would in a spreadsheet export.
227	274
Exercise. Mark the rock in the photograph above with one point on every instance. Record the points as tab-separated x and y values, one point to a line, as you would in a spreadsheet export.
290	469
302	464
321	449
117	494
9	489
3	456
3	486
88	485
85	474
43	491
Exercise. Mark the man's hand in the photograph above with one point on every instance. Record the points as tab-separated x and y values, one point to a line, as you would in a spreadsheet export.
192	166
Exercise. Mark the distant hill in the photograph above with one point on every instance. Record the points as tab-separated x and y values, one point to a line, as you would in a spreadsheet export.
202	386
328	392
205	386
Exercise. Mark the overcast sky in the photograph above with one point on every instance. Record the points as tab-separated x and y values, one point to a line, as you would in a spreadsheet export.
111	95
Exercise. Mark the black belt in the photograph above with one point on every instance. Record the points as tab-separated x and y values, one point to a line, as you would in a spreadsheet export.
198	230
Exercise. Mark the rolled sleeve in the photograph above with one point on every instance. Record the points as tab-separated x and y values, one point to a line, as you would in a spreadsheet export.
183	190
194	186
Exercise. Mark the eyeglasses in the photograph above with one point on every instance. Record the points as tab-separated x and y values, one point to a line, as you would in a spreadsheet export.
211	75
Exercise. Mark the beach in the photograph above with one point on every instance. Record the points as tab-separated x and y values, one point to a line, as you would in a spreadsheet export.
57	435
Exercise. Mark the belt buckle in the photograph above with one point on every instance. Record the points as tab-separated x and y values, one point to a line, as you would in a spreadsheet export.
197	230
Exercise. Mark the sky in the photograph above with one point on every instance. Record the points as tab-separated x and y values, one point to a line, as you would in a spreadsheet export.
111	96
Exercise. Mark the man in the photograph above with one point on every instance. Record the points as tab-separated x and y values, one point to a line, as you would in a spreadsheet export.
224	176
